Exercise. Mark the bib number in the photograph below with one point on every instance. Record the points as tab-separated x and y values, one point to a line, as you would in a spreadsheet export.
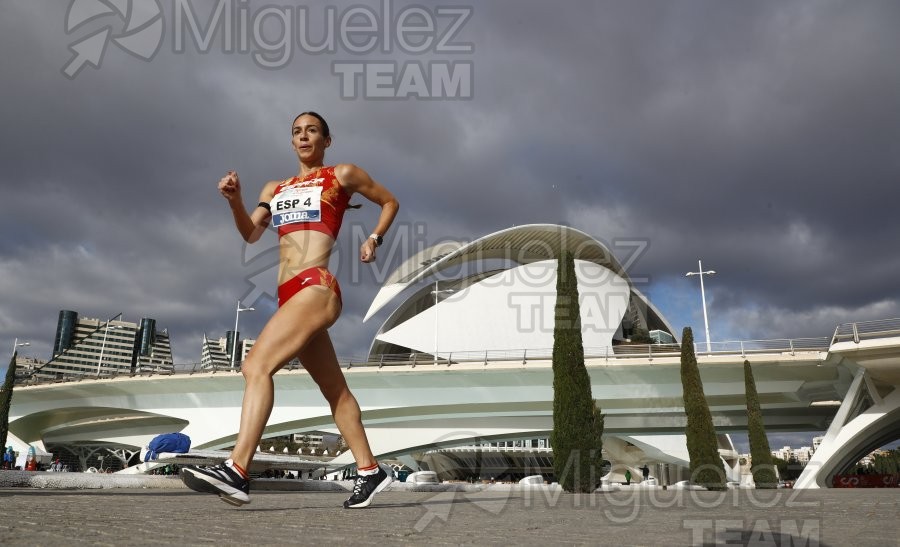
297	205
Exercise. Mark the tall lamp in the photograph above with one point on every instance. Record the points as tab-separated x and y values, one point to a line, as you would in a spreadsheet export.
701	273
436	292
234	340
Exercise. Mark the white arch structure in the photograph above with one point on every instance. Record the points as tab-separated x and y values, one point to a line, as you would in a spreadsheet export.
869	415
498	292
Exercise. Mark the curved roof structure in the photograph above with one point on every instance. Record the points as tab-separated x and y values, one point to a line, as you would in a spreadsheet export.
503	287
521	244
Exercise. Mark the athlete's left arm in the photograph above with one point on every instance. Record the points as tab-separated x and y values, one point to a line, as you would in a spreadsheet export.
354	179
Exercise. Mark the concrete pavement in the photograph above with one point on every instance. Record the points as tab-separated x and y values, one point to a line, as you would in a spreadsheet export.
164	513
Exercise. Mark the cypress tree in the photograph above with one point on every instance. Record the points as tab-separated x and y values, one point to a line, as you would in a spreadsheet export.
763	468
577	421
707	468
6	400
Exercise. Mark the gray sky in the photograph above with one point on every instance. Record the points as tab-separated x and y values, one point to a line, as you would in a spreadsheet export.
761	137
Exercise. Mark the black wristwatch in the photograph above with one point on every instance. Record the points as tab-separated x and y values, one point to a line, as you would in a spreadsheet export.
378	239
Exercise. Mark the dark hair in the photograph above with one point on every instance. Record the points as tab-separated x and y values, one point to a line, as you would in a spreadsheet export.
326	132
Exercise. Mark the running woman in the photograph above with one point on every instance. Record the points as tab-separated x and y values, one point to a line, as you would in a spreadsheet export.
307	210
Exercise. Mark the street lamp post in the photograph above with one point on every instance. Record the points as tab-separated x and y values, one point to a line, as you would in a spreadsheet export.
103	345
436	292
234	340
17	345
701	273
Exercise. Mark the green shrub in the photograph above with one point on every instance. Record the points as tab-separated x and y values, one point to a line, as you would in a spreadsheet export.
707	468
577	422
762	466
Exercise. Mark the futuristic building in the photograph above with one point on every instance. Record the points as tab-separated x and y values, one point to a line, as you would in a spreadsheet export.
464	360
497	295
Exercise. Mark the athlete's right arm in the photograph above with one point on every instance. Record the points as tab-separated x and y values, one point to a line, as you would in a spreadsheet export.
250	225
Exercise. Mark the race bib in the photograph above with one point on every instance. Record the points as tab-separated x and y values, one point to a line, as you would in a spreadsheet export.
297	205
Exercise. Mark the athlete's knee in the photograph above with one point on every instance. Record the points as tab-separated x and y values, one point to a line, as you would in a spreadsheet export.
253	369
337	394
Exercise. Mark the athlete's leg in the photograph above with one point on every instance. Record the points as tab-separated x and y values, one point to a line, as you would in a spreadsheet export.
320	361
306	314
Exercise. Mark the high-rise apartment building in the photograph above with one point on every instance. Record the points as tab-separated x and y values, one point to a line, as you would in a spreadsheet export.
95	347
220	353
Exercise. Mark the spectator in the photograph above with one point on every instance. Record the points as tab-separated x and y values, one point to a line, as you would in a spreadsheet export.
9	458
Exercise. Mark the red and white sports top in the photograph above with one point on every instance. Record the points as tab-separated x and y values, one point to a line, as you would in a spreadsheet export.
315	202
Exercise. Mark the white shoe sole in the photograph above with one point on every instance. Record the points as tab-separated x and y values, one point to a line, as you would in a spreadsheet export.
381	486
204	483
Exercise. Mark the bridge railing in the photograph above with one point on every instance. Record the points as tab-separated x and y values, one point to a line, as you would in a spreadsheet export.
622	352
782	345
866	330
619	353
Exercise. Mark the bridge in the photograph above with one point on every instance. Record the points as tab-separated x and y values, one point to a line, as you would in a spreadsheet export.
414	402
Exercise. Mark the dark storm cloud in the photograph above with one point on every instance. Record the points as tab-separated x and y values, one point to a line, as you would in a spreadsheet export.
762	137
763	140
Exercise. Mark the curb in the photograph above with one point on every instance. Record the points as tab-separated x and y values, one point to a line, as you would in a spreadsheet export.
97	481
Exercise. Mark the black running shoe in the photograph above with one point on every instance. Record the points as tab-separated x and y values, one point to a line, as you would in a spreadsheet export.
220	479
365	488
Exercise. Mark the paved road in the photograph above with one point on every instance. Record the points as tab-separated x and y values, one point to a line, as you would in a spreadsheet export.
500	515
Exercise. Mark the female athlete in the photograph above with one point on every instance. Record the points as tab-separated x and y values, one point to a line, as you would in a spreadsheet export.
307	210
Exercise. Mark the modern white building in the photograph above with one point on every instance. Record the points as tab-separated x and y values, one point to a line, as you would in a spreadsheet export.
464	359
496	295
